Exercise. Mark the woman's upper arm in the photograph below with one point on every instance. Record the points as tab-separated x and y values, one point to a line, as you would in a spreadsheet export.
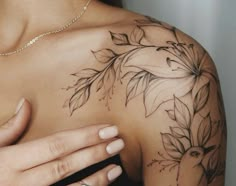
173	98
170	97
183	136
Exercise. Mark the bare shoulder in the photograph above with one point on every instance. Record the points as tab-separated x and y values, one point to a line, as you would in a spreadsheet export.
173	93
169	88
163	87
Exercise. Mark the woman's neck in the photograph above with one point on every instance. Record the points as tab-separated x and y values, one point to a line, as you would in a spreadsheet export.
28	17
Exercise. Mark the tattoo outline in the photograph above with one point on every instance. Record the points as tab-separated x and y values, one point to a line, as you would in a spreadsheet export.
185	67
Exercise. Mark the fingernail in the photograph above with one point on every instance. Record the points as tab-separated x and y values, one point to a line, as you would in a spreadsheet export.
115	146
114	173
20	104
108	132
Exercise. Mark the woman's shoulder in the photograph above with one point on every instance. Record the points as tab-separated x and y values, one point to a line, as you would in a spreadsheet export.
168	91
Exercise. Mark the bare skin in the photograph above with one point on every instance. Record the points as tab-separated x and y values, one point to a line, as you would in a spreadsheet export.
152	113
52	158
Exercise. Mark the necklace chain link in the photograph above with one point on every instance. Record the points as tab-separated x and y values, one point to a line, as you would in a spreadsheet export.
35	39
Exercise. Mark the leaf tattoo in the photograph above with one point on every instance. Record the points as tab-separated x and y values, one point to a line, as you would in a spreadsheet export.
178	152
173	146
185	71
137	35
178	132
157	84
79	98
182	114
105	55
201	98
204	131
120	39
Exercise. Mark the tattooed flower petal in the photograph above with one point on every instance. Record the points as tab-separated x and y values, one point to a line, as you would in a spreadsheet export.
161	71
137	85
162	90
207	66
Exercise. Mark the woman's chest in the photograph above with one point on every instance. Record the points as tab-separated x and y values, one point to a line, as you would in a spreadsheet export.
68	88
52	100
57	106
43	74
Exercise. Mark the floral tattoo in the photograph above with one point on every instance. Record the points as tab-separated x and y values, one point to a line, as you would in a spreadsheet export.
185	71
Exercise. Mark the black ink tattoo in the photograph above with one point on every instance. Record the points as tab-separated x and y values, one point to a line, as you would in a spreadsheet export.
186	71
188	153
143	81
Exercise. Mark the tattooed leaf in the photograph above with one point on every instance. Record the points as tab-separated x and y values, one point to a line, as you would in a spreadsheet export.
204	131
178	132
80	83
109	78
215	127
200	82
129	74
66	103
137	35
182	114
168	61
148	20
201	98
137	85
171	114
105	55
86	73
159	23
213	161
100	84
120	39
79	99
213	166
173	146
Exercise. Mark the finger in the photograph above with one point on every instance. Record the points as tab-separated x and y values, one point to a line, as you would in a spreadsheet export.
14	127
103	177
56	146
55	171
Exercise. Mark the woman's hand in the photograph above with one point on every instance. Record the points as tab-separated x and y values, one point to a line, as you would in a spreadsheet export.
48	160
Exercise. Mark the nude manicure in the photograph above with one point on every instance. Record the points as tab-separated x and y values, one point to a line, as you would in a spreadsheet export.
20	104
114	173
115	146
108	132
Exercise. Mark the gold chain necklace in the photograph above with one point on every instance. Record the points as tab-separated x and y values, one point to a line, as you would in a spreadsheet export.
35	39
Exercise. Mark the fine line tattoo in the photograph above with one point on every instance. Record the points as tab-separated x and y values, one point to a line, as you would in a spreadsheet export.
187	153
185	71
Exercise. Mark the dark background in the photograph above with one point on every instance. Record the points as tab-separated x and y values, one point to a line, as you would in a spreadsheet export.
113	2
